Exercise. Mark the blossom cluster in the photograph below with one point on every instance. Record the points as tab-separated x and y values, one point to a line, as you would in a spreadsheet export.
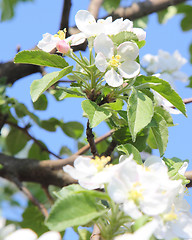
116	61
140	190
167	65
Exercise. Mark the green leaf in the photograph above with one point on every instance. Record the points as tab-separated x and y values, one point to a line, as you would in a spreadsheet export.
140	222
160	133
36	152
129	149
41	58
50	124
111	5
123	136
140	111
72	129
95	113
123	37
84	234
71	92
41	85
141	22
8	8
73	210
165	90
65	151
174	165
168	13
190	50
41	103
166	115
16	140
33	219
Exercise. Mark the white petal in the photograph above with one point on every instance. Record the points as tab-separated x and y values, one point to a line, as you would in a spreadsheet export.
22	234
131	209
141	34
129	69
48	43
76	39
84	18
128	51
104	44
100	62
113	78
52	235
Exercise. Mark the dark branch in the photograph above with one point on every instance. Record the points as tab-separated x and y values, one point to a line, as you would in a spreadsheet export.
90	139
65	15
110	148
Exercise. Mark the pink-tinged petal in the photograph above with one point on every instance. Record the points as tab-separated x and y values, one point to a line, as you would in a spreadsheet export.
22	234
48	43
129	69
62	46
113	78
104	44
128	51
141	34
51	235
100	62
84	18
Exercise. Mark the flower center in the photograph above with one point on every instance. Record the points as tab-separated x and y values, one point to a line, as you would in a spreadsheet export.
170	216
135	194
61	34
100	163
114	62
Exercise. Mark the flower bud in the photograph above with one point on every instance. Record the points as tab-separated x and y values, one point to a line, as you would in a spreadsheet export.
62	46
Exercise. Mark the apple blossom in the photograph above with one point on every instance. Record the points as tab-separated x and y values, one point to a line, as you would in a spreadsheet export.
143	189
87	24
5	230
50	42
90	173
117	65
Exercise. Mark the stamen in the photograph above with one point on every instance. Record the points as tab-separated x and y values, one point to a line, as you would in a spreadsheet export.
114	62
101	163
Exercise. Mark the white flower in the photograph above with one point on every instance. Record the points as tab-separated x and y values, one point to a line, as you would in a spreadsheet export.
167	65
175	222
90	173
87	24
50	42
143	189
120	64
28	234
143	233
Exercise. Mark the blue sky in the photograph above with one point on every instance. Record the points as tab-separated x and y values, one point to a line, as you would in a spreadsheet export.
32	19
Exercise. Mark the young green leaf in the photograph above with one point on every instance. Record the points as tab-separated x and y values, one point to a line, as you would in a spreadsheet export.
160	133
140	111
164	89
73	210
129	149
41	85
41	58
73	129
95	113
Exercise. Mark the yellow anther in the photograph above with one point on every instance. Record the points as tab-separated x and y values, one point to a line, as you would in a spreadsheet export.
136	193
170	216
61	34
114	62
100	163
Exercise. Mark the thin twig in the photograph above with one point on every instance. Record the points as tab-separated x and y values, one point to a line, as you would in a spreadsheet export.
110	148
24	130
31	197
90	139
96	235
46	190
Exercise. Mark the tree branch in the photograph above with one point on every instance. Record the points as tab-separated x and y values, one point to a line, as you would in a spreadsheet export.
141	9
65	15
90	139
94	7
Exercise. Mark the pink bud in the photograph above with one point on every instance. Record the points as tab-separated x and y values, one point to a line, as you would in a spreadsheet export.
62	46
